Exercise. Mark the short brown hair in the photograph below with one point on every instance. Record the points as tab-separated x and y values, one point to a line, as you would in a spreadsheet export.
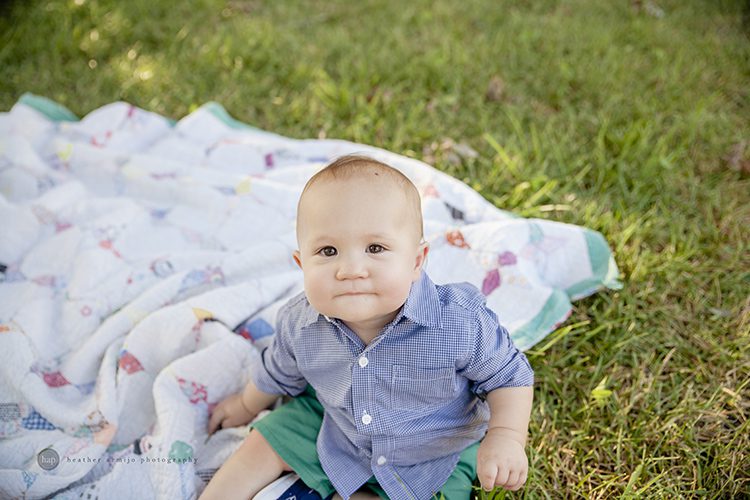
349	166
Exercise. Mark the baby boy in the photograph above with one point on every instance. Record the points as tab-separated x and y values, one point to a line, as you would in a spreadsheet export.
402	389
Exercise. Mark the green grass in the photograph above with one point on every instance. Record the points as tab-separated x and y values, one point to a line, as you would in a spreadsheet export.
609	117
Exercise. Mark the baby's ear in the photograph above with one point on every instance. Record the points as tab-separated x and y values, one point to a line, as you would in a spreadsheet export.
422	251
297	259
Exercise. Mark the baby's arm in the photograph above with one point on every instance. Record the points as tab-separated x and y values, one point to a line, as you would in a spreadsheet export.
232	480
240	408
501	459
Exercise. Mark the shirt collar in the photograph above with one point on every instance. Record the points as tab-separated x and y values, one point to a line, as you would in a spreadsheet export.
422	305
310	315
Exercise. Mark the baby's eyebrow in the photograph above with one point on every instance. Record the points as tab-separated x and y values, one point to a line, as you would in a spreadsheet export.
321	240
378	236
331	240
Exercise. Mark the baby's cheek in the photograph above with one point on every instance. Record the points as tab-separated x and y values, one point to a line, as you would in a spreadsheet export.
400	288
314	289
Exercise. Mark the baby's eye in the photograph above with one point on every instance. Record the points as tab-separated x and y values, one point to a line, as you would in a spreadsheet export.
327	251
375	248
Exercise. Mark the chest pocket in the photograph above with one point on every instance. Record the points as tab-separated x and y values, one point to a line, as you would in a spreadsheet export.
421	389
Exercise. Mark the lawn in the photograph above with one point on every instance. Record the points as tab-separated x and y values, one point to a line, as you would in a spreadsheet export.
628	117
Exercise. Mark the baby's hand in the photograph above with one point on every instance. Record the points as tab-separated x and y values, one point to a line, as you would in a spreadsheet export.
501	461
229	413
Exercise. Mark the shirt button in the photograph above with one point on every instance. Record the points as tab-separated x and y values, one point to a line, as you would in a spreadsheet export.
381	460
363	361
366	419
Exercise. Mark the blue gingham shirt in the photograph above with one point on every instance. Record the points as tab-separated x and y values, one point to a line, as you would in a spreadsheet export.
403	407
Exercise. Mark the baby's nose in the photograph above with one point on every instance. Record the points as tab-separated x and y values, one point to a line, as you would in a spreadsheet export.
351	269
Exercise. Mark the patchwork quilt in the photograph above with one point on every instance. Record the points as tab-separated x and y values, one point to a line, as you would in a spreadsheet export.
142	263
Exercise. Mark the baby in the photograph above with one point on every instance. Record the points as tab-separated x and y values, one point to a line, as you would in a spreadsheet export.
395	379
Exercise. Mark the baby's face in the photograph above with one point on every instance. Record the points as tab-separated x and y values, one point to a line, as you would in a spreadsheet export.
359	249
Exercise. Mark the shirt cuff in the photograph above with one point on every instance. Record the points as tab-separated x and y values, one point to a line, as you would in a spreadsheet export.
522	376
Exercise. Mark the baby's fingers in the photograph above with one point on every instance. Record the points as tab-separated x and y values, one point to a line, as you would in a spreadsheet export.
487	475
216	419
511	481
518	484
502	477
516	481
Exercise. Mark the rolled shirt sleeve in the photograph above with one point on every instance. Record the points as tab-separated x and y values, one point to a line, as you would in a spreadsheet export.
277	372
494	360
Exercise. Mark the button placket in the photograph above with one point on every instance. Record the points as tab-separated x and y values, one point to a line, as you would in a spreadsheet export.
360	398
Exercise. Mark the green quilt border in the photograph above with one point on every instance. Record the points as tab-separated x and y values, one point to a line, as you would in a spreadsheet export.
556	309
604	271
49	108
58	113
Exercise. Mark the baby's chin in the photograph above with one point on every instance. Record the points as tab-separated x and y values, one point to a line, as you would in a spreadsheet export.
360	309
355	311
354	314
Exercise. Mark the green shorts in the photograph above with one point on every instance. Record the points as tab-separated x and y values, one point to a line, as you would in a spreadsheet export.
292	431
